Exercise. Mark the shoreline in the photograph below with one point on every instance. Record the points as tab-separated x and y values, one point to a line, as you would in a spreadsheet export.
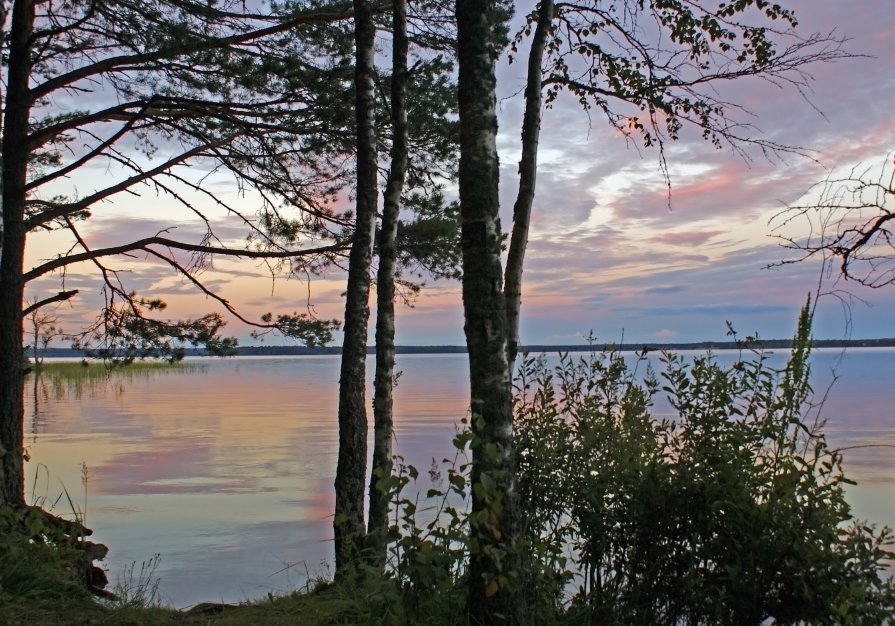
767	344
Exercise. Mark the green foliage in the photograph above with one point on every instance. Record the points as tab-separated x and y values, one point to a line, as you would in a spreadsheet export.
731	511
432	126
430	243
428	238
309	330
651	81
125	334
38	563
427	538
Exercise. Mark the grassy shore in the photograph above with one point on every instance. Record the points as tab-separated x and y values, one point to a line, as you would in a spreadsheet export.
300	608
326	604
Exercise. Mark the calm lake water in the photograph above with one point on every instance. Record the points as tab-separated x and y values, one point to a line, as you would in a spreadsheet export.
225	469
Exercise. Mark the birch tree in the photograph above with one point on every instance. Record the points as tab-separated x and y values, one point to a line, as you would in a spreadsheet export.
494	594
650	68
383	401
348	522
413	125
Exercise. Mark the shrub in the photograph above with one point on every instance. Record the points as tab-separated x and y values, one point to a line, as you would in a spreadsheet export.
429	543
732	511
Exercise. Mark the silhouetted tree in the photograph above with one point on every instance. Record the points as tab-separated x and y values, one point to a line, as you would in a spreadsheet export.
348	522
158	85
494	594
850	219
414	127
377	525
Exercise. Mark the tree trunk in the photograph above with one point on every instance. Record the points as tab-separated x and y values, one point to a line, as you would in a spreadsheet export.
385	294
12	254
4	12
493	583
528	169
348	523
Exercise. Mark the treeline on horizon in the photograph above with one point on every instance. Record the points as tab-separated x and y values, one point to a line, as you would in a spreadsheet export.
770	344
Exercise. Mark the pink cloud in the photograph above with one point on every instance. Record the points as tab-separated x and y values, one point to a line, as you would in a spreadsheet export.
691	239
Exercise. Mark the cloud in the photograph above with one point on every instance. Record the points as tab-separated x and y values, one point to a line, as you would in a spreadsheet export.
714	311
665	290
118	229
688	239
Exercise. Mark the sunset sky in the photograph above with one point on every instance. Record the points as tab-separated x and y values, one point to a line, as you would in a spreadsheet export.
607	254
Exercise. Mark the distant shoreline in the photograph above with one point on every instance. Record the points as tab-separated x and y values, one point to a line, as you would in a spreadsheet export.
770	344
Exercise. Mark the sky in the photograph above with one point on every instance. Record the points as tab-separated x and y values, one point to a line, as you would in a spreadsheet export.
608	254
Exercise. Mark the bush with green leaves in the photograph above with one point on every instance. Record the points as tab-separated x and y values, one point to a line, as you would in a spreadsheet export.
730	511
428	542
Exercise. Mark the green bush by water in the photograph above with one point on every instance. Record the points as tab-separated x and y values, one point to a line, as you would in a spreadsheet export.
729	511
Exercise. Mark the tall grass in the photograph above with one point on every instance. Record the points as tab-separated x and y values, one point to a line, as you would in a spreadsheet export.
63	379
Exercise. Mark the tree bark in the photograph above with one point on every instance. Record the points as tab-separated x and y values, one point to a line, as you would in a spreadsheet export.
4	12
12	254
377	526
528	169
494	595
348	523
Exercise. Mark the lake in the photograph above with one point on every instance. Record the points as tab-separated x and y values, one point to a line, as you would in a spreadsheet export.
225	468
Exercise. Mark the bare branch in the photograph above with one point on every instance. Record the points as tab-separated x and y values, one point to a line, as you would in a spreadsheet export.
55	211
850	218
59	297
143	244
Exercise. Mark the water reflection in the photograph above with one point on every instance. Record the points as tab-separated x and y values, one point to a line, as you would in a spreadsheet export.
225	468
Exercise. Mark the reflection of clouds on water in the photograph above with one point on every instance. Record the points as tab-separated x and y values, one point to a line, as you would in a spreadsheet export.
165	468
179	465
868	453
227	471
